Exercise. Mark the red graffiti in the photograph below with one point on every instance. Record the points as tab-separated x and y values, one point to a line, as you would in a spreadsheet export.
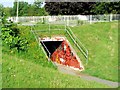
63	55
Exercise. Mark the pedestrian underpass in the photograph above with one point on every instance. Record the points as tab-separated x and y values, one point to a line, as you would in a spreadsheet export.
59	50
53	39
61	53
51	46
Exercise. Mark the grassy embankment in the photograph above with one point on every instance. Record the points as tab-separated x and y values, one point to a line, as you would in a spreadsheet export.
31	69
101	40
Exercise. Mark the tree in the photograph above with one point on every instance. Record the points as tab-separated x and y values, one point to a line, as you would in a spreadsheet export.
83	8
7	11
1	10
37	3
69	8
31	10
39	11
23	8
106	8
14	9
2	15
26	9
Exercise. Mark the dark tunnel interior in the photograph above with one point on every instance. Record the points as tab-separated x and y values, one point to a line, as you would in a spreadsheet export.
51	46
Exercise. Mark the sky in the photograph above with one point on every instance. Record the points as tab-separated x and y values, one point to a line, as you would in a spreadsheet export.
9	3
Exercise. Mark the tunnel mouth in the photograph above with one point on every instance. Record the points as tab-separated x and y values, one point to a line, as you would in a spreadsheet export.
51	46
59	51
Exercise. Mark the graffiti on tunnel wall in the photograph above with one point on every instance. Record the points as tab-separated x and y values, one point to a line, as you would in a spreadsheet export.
64	55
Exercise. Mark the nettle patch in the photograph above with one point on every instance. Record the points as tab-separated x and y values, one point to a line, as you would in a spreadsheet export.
11	37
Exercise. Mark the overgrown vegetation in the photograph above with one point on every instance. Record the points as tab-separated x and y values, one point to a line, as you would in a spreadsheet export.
11	36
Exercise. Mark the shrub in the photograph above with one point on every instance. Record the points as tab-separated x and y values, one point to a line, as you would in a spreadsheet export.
80	22
11	37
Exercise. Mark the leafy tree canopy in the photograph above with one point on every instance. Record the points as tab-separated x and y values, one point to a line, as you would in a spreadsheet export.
106	8
26	9
68	8
83	8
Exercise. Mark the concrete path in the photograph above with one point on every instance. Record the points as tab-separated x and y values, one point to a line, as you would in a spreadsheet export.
103	81
67	70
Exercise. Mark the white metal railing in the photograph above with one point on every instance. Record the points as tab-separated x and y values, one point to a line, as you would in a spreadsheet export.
78	43
73	37
49	54
69	19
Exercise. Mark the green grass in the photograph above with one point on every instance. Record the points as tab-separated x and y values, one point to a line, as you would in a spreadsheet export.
101	40
31	68
20	73
34	53
0	65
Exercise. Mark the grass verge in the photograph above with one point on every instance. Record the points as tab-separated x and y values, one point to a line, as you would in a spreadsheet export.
19	73
101	40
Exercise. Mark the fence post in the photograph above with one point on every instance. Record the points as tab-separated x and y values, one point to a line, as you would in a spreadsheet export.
90	19
67	21
49	30
33	18
111	17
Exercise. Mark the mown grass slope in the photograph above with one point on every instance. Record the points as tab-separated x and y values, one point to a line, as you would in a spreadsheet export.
19	73
31	68
101	40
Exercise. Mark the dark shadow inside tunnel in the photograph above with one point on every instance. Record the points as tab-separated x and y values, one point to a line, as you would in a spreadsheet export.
51	46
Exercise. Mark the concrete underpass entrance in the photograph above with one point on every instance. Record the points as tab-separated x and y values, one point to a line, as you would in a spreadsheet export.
51	46
59	50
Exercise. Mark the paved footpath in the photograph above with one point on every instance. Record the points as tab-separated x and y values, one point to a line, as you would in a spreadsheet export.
70	71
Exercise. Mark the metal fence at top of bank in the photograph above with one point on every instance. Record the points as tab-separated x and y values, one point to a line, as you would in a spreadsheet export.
70	20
